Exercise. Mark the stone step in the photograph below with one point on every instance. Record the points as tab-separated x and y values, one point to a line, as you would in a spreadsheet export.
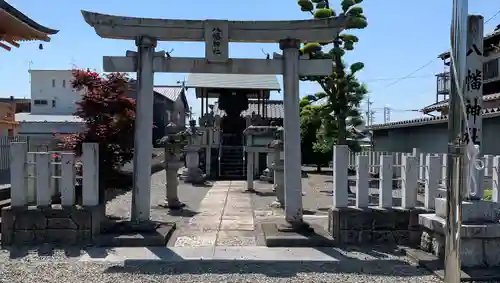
127	234
4	203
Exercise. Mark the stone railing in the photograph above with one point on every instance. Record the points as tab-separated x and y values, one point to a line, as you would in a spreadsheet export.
374	158
33	218
360	220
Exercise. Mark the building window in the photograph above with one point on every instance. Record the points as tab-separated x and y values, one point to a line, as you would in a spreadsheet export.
40	102
64	83
53	83
490	69
53	103
168	116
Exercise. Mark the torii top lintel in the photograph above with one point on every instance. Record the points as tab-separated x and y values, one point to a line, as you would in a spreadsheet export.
117	27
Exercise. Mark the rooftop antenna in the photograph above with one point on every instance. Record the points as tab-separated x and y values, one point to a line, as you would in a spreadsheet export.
168	53
268	56
72	62
182	83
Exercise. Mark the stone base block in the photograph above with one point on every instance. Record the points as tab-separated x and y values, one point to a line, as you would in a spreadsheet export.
472	211
315	236
193	176
479	243
436	265
55	225
130	234
374	225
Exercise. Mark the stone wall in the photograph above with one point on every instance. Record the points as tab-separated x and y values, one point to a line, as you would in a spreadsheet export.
479	242
32	225
358	226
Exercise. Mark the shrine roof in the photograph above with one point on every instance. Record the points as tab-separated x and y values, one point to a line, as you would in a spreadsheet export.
444	103
486	114
16	26
274	109
233	81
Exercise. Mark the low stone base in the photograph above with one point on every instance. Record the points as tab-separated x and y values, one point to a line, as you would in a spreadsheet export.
55	225
479	243
193	176
315	236
472	211
436	266
131	234
374	225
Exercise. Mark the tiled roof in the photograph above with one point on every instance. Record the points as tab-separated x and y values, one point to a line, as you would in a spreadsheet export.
263	82
25	19
487	113
274	109
36	118
172	93
443	103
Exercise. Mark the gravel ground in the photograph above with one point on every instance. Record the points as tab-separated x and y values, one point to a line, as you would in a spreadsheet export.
190	195
354	266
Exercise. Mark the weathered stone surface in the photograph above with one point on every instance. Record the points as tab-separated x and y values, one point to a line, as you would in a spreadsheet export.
61	223
58	236
30	219
479	251
472	211
353	225
54	224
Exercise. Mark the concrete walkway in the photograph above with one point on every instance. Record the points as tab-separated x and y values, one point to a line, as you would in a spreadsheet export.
225	218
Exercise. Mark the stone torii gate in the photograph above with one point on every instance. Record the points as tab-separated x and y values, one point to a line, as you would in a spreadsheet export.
216	34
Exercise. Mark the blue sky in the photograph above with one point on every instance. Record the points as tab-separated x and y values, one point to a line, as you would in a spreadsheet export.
401	37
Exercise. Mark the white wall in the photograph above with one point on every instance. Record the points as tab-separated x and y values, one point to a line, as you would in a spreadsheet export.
53	87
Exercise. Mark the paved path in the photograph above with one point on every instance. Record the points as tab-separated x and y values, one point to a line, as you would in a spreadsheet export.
224	217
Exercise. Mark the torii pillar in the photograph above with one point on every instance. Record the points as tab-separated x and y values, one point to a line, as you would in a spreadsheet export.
217	34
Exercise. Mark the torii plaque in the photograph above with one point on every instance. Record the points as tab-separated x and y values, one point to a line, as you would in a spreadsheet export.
216	34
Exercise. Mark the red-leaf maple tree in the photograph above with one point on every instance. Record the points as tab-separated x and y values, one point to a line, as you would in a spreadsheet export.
109	119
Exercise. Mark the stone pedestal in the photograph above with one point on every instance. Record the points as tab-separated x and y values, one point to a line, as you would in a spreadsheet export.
193	174
279	184
172	186
479	234
268	173
250	172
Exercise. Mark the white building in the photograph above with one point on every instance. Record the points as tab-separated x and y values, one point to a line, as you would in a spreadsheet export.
52	106
53	102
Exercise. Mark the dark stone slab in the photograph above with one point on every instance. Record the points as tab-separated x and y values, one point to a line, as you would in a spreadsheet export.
277	235
130	234
436	265
374	225
55	225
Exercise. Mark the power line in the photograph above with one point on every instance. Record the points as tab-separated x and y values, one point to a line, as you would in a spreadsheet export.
492	17
410	74
431	61
397	78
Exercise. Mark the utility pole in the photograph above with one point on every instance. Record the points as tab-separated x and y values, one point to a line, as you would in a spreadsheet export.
370	114
454	178
387	114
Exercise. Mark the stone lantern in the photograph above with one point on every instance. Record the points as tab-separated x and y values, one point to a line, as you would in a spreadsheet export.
174	141
278	167
193	174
